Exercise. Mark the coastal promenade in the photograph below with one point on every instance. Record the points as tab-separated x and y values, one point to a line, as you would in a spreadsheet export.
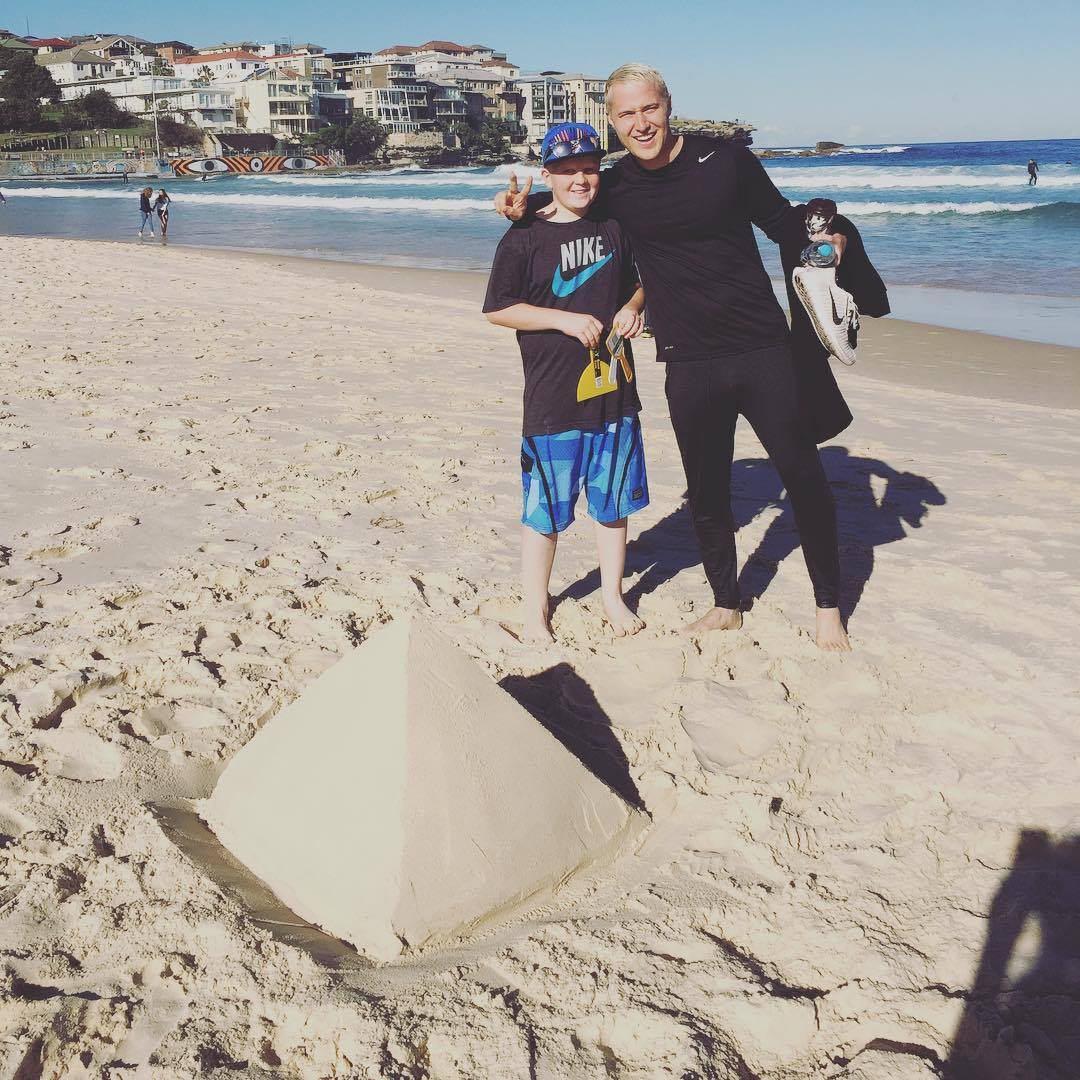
224	470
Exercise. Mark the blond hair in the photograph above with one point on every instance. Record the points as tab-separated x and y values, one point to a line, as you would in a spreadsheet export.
636	73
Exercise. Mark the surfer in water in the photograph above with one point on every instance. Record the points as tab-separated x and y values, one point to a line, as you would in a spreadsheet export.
689	204
1033	172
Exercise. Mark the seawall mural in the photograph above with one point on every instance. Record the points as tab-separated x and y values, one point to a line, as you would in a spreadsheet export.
250	163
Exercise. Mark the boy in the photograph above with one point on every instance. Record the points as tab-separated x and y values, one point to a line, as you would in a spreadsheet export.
563	280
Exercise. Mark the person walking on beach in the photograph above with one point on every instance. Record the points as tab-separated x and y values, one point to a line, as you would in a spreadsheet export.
161	205
146	211
1033	172
688	204
562	279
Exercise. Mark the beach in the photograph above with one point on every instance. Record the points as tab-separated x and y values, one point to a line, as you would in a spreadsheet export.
224	471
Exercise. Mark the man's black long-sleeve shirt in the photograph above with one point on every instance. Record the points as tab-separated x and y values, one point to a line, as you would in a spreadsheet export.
691	227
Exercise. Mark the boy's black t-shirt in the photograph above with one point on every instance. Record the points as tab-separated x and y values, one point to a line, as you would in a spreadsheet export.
144	203
583	266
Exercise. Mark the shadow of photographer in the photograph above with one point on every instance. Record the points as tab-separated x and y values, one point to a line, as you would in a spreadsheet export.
1022	1017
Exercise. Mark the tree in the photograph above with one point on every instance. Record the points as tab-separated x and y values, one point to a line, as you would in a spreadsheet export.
160	66
172	133
23	86
331	137
204	76
362	139
490	140
99	109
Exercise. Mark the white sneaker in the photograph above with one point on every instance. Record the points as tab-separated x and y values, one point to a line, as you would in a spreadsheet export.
832	310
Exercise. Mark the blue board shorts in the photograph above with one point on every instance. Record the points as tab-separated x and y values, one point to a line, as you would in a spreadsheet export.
608	462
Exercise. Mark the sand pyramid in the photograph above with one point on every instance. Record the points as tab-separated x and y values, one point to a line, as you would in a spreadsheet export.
405	798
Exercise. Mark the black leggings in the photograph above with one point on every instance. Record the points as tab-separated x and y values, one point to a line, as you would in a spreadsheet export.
705	398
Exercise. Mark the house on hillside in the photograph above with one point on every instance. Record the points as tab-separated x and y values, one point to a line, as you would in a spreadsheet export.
48	45
127	53
171	51
222	66
71	66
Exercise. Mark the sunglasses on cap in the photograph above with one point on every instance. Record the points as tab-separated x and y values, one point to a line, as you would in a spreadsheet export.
586	144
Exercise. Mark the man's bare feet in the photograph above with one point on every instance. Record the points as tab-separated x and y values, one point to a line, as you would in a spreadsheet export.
829	630
623	622
720	618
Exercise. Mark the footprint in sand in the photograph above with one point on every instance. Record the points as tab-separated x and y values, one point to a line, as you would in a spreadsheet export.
78	754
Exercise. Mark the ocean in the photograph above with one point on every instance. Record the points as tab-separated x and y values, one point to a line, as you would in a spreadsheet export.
954	228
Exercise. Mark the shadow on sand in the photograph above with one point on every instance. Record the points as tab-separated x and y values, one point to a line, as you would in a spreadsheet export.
1022	1018
562	701
661	552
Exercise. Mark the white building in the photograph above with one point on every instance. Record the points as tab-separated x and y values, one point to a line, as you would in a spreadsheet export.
275	101
71	66
220	66
209	107
125	52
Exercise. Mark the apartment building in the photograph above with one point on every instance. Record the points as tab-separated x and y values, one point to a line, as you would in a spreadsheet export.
544	104
332	105
586	104
391	93
499	99
345	63
278	101
444	51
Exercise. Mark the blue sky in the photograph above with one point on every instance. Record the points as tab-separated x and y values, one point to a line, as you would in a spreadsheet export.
853	72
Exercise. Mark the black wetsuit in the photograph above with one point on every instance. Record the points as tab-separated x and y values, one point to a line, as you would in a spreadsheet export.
1033	173
725	340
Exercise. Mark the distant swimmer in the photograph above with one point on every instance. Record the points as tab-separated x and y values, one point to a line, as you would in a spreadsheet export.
161	205
1033	172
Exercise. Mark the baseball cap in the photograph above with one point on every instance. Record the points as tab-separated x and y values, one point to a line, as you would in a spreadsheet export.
569	140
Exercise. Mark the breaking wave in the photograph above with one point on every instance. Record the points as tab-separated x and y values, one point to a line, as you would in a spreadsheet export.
879	178
256	201
1068	212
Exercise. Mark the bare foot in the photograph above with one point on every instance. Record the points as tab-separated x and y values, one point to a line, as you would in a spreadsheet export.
720	618
535	628
623	622
829	630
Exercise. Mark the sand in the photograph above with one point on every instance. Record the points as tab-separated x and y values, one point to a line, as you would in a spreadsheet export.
405	800
223	473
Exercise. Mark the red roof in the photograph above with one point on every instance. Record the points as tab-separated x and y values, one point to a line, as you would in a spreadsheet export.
60	43
207	58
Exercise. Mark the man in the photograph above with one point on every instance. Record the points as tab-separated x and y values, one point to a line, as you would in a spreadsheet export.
688	204
1033	172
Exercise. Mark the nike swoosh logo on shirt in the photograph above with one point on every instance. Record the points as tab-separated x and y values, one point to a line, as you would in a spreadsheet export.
706	157
560	286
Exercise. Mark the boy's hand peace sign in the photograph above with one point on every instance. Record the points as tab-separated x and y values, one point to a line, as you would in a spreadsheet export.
511	203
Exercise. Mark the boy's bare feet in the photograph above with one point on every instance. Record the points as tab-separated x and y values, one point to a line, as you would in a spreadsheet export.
720	618
829	630
535	628
623	622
